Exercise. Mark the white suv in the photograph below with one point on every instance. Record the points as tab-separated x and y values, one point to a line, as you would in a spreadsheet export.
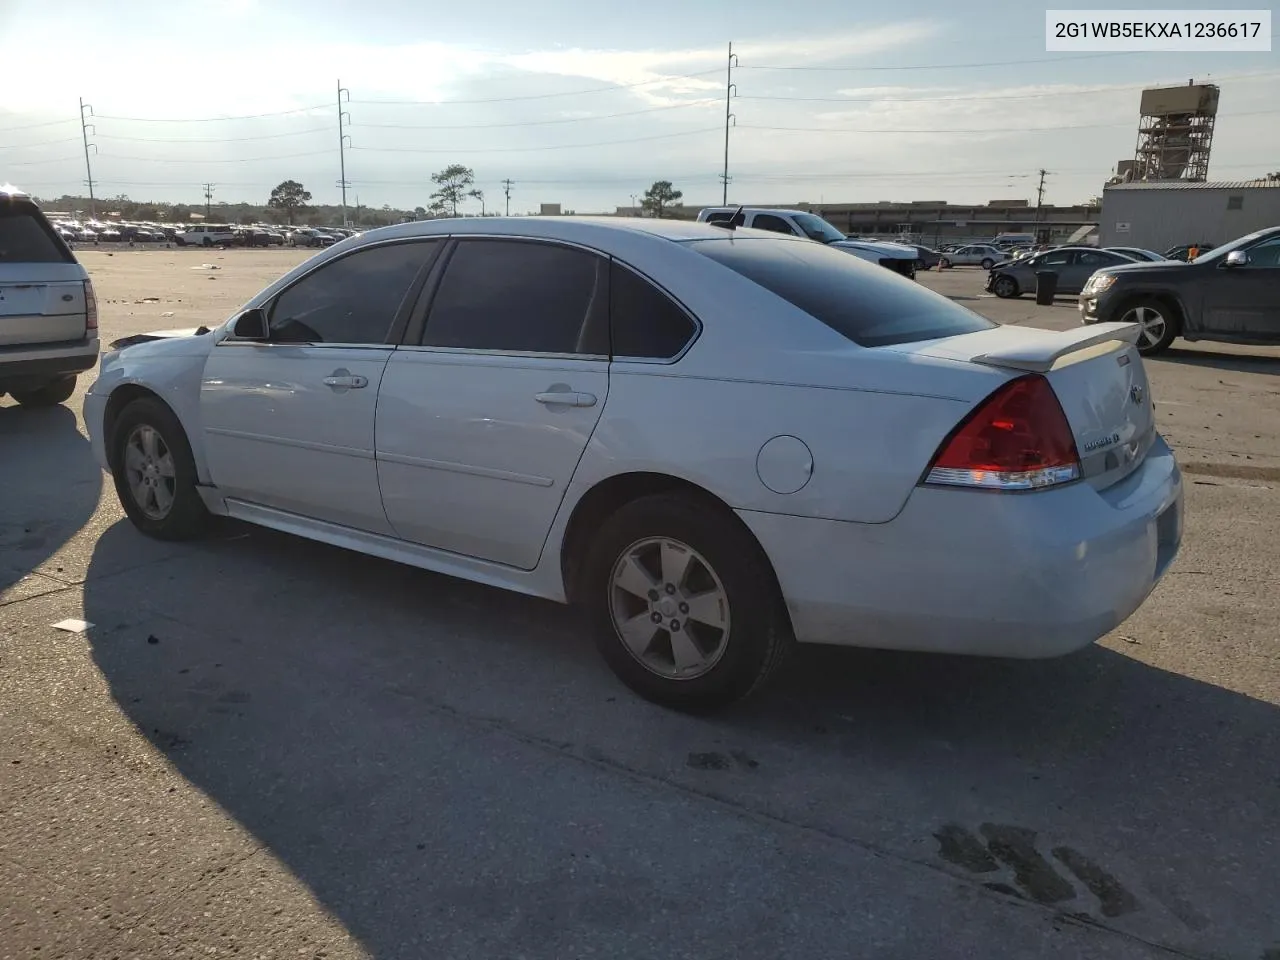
207	235
799	223
48	314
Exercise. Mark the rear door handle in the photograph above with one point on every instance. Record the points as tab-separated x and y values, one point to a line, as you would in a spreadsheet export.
566	399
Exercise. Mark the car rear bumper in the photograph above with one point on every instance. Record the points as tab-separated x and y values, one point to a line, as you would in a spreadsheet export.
30	367
969	572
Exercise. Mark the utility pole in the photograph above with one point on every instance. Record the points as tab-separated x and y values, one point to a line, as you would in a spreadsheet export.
208	200
506	192
343	142
1040	192
88	169
635	206
730	91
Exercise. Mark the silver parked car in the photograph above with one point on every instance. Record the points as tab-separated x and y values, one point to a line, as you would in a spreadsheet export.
1073	265
975	255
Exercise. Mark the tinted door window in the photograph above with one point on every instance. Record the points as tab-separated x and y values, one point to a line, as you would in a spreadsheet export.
521	296
25	237
865	303
1057	258
1265	254
767	221
351	300
1097	259
643	320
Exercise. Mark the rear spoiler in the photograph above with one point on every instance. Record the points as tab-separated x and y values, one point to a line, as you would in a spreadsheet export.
1041	356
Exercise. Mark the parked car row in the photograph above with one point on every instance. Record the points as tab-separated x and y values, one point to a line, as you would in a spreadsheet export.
199	234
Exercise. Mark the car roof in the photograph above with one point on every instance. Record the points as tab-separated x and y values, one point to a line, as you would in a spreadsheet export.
9	192
562	228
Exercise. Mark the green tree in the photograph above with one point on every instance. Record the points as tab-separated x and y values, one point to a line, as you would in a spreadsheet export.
290	197
453	185
659	197
420	212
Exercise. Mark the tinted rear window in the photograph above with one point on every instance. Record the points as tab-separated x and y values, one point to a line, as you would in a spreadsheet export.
869	304
26	237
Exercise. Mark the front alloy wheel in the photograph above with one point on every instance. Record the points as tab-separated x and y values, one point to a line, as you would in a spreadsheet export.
1158	329
1005	287
155	473
149	471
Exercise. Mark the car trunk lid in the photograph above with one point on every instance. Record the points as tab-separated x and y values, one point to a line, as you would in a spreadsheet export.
41	303
1097	374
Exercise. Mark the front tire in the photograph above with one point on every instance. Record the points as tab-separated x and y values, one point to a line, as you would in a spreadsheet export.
1159	325
50	395
988	263
1006	288
155	473
944	264
685	606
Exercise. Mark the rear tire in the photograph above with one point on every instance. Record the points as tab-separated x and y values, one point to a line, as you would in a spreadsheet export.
50	395
944	263
988	263
155	473
695	594
1160	325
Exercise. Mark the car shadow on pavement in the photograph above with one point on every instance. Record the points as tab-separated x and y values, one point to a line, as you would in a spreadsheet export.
392	737
1238	363
50	486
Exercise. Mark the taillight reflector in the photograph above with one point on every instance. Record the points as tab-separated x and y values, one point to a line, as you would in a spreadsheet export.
90	306
1016	439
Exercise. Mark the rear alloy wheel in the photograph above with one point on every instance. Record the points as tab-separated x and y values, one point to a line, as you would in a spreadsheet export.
50	395
154	472
685	606
1159	328
1005	287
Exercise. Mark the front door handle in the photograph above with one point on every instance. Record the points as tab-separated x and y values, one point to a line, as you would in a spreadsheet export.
566	399
343	379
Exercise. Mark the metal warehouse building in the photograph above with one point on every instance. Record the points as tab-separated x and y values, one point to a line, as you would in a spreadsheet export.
1160	215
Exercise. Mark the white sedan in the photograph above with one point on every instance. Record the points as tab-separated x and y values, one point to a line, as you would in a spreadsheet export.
719	441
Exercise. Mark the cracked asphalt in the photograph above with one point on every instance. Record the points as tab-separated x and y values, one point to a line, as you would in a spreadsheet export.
265	747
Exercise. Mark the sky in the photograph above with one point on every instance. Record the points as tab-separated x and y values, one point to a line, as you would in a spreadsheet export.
587	103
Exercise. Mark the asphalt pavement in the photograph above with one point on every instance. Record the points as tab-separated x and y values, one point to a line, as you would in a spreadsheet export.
266	747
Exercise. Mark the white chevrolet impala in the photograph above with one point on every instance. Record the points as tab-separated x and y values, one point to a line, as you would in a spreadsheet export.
718	441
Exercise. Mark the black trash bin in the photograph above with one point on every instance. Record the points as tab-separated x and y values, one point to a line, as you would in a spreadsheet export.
1046	287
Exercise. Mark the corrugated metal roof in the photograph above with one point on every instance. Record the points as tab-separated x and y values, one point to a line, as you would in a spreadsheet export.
1196	185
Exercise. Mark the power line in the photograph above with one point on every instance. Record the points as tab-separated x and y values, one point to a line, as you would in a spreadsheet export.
286	156
557	146
534	123
42	143
979	130
249	116
939	66
549	96
265	136
34	126
981	98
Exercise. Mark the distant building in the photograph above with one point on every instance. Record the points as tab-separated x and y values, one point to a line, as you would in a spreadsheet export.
549	210
1166	214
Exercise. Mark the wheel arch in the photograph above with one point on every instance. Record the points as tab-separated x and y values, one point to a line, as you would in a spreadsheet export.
1165	298
612	493
120	398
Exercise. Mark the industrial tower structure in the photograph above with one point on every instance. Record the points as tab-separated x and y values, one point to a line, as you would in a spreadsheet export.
1175	132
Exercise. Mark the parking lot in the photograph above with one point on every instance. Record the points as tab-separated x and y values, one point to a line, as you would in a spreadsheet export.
267	747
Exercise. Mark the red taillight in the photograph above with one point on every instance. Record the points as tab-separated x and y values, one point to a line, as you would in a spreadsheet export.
1017	439
90	306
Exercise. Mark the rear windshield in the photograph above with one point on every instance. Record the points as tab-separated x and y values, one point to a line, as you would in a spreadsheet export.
869	304
26	237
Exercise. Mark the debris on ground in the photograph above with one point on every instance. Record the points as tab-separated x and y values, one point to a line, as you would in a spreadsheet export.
73	626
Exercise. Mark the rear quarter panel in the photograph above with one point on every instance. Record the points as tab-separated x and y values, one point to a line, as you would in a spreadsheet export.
868	449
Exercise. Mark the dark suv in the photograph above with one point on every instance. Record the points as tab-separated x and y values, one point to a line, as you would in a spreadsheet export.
1230	294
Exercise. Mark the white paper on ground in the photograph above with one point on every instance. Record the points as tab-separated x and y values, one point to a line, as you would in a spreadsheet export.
73	626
